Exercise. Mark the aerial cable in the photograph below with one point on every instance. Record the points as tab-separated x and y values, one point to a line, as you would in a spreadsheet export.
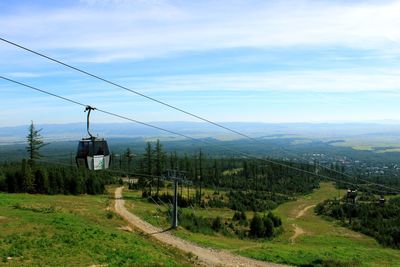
185	136
225	188
246	155
125	88
169	105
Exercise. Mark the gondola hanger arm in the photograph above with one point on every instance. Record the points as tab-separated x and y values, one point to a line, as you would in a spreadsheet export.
89	109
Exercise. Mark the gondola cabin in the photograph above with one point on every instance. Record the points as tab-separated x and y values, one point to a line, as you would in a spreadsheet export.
93	154
351	196
382	200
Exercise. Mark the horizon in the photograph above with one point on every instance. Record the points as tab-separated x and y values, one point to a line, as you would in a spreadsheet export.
379	122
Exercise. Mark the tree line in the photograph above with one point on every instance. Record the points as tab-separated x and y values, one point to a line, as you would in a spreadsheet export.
381	221
30	176
201	169
46	179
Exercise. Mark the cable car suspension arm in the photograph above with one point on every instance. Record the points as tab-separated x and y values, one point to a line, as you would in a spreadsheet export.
89	109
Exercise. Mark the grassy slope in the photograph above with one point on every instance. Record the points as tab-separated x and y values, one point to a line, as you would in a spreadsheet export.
323	240
72	231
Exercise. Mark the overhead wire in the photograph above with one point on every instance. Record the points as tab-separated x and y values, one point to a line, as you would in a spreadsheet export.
186	136
170	106
123	172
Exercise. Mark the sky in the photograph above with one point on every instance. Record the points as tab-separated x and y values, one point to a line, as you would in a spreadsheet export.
226	60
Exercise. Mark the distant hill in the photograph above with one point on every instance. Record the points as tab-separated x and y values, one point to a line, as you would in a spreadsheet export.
322	131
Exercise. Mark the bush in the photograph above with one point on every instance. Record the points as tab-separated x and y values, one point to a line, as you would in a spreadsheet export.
275	219
239	216
255	201
268	227
195	223
216	203
109	215
257	228
217	224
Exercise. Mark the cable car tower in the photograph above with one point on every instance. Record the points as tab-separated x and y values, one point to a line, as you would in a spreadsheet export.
176	177
93	152
351	202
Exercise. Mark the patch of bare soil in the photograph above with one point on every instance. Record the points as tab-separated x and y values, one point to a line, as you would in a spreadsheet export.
205	256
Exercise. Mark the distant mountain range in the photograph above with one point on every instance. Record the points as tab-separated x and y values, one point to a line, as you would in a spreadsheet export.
323	131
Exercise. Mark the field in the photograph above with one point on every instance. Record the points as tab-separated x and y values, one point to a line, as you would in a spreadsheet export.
307	239
39	230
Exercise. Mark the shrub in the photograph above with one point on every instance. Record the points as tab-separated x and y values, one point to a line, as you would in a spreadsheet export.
215	202
257	228
268	227
109	215
217	224
275	219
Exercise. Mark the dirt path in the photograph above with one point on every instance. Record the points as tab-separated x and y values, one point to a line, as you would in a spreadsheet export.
205	256
303	211
298	231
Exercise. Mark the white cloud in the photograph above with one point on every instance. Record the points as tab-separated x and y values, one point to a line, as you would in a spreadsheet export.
335	81
113	30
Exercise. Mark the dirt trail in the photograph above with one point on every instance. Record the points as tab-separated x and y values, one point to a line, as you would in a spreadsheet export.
205	256
298	230
303	211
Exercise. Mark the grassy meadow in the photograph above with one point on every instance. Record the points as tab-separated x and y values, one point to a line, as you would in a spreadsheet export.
59	230
321	242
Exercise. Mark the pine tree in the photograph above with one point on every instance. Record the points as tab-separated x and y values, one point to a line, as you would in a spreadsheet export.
200	173
28	180
160	160
35	143
268	227
148	157
257	228
148	162
42	182
216	174
129	157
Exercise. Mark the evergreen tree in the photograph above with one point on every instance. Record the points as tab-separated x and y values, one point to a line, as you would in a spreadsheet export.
35	143
148	158
129	157
42	182
3	184
148	162
28	180
217	224
257	228
12	183
159	163
216	174
268	227
200	174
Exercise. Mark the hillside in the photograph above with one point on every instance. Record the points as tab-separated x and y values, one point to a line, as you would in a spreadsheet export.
307	240
59	230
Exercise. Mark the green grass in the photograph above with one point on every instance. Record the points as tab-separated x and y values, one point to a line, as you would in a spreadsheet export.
38	230
323	240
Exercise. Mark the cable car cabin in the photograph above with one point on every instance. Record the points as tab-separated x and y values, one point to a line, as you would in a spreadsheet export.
93	154
351	196
382	200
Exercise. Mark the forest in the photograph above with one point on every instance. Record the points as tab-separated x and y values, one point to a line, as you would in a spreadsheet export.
371	217
250	184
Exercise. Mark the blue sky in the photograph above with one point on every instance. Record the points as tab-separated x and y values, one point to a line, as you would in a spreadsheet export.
228	60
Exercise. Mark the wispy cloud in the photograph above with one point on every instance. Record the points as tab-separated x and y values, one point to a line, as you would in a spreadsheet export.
268	57
321	81
115	30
